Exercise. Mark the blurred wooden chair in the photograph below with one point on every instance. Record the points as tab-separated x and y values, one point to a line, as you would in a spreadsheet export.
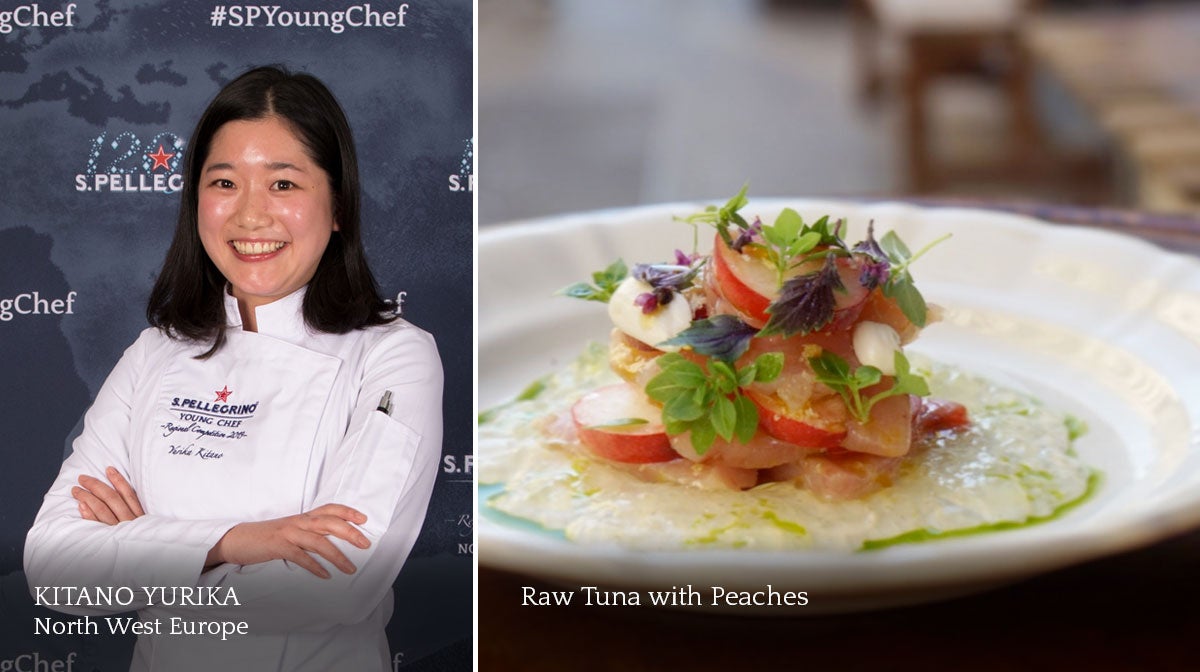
1133	72
916	43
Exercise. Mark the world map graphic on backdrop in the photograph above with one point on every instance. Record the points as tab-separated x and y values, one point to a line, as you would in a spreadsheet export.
96	102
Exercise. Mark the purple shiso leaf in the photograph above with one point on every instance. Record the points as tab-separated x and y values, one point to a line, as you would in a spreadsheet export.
806	302
722	337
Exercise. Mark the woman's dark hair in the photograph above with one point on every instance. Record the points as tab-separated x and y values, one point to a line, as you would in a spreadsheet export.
188	298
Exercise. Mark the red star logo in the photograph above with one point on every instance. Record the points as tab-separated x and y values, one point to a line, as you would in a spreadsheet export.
160	159
223	394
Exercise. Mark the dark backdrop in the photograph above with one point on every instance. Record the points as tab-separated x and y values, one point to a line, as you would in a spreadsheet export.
86	215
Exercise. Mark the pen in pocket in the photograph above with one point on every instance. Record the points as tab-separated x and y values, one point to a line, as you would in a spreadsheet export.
385	403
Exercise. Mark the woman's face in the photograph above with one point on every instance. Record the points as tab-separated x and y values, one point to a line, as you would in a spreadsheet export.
265	209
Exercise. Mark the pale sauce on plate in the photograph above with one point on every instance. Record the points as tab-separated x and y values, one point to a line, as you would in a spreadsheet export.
1014	465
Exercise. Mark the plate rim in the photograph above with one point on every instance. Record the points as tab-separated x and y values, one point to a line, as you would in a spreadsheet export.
1081	544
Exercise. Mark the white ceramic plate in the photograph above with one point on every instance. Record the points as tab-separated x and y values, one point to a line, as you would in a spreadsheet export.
1102	326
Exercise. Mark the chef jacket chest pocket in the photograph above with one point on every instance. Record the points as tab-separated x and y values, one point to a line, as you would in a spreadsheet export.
377	470
256	471
232	436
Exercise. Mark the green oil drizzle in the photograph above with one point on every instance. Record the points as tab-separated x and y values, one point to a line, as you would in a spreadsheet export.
532	391
926	534
1075	427
714	536
489	492
621	424
785	525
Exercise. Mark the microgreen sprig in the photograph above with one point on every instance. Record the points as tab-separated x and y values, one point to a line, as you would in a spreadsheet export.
889	261
721	217
831	238
606	282
835	372
710	403
787	239
899	285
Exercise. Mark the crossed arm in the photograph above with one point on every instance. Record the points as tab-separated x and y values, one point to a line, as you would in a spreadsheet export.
292	538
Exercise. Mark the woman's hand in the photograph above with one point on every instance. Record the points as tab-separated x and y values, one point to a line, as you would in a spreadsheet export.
107	504
295	539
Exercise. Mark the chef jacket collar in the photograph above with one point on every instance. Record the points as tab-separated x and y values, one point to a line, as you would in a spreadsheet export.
282	319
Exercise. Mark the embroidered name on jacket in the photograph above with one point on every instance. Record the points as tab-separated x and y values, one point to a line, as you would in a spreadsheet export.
200	419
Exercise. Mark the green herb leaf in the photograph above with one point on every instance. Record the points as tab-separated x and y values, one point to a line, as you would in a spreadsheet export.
829	237
912	304
788	240
606	282
725	378
895	248
768	366
906	381
709	403
684	407
835	372
721	217
703	436
675	427
899	285
729	212
747	374
747	418
787	227
678	376
724	417
866	376
830	368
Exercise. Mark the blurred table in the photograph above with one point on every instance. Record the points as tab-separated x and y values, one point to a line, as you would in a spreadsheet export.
1133	611
1137	73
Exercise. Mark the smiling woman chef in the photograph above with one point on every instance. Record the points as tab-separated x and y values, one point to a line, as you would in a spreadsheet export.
274	435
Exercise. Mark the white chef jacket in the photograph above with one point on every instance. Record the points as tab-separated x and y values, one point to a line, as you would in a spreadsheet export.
276	423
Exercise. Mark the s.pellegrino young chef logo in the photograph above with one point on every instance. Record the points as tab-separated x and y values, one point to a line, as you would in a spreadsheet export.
218	413
206	429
